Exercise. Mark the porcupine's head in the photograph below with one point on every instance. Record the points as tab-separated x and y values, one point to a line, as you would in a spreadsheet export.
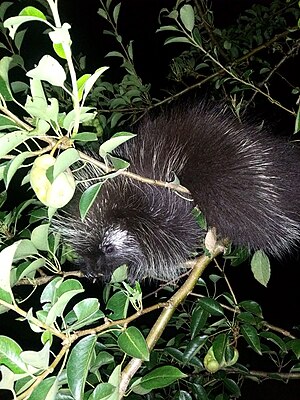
150	229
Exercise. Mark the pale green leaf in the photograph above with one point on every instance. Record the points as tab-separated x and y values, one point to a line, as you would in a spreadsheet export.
114	142
39	237
88	197
49	70
37	359
260	266
187	17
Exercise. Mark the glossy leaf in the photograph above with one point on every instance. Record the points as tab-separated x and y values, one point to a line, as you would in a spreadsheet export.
133	343
294	345
118	303
88	197
194	347
252	307
78	365
11	140
199	391
211	306
219	347
199	318
272	337
251	336
10	355
232	386
161	377
46	390
103	391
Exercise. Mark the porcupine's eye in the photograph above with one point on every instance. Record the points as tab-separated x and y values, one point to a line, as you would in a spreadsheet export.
108	249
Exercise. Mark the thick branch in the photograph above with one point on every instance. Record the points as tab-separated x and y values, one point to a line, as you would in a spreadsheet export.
161	323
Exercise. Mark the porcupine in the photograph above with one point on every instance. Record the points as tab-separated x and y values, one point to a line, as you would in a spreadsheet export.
244	180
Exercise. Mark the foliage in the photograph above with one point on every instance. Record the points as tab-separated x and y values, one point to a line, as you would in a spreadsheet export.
89	348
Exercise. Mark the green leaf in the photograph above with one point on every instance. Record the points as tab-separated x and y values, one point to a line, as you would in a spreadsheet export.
80	84
88	197
252	307
113	142
78	365
4	81
232	386
46	390
177	40
85	116
6	122
219	347
194	347
48	294
10	355
59	50
85	312
65	292
32	12
199	392
168	28
103	391
211	306
39	237
64	161
161	377
118	303
250	335
89	83
294	345
85	308
275	339
13	165
114	54
29	268
133	343
103	358
116	13
115	378
260	266
247	317
118	163
85	137
7	379
25	249
175	353
187	17
11	140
